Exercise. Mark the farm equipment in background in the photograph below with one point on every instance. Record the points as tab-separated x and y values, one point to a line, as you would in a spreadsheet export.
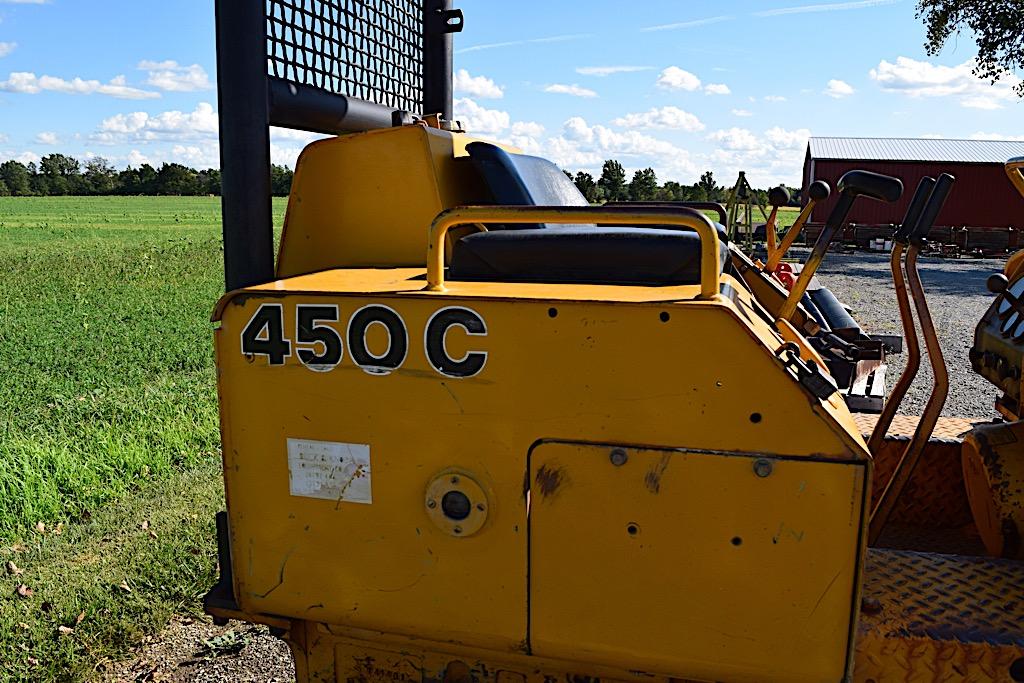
477	431
739	210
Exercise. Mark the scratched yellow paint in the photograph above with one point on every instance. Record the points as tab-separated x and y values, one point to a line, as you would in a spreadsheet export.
689	563
608	371
631	366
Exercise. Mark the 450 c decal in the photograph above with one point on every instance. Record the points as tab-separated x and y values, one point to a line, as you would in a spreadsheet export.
320	347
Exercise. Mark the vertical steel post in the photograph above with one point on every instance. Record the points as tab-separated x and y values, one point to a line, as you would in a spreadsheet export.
440	22
244	142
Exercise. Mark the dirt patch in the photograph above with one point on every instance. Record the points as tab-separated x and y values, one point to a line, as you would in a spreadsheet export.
194	650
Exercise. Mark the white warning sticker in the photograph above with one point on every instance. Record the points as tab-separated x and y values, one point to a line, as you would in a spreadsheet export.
330	470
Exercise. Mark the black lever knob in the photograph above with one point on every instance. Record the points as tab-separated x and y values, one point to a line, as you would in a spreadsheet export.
997	283
914	211
936	201
778	196
819	190
869	184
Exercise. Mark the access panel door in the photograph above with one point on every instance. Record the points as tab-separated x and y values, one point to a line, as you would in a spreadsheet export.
697	565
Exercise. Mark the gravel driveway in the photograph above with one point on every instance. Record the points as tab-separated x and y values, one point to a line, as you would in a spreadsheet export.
957	297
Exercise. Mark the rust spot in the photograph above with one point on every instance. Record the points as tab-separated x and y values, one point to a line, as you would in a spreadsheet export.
652	480
549	479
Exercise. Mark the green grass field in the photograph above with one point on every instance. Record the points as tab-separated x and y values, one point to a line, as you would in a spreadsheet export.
108	423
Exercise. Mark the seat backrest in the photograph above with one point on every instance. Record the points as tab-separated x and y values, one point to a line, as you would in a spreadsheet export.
523	180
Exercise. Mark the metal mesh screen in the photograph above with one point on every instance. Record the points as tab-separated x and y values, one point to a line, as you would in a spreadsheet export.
368	49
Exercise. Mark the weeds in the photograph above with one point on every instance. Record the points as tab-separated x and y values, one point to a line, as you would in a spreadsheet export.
108	419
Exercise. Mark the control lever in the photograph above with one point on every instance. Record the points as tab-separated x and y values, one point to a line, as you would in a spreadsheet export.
817	192
940	388
900	241
853	184
829	344
808	374
777	196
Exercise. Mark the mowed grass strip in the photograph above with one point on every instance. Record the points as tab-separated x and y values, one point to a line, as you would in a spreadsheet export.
108	419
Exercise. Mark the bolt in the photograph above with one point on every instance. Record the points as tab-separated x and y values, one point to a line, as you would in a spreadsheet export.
457	529
480	507
455	480
870	606
618	457
762	467
431	503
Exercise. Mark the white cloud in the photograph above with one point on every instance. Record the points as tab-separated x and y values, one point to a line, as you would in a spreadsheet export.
672	118
197	156
688	24
838	89
3	138
741	112
285	155
23	157
7	48
171	76
980	102
137	158
581	142
476	86
609	70
774	98
140	126
47	138
917	78
996	136
717	89
480	120
581	146
780	138
825	7
528	128
736	139
573	89
28	83
303	136
775	156
674	78
530	41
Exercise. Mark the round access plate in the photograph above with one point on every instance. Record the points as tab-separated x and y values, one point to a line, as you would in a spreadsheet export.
456	503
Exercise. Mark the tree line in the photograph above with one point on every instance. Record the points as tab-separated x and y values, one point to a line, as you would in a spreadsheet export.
612	186
59	174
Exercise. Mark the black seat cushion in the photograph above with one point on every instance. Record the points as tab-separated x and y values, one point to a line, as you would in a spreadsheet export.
552	252
522	180
586	255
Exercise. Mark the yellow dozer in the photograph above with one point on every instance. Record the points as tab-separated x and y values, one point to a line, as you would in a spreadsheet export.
475	430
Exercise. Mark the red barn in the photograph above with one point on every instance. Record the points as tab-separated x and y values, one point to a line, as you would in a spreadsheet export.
983	211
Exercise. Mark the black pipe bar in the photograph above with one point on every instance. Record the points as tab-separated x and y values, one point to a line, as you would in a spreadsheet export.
307	108
244	143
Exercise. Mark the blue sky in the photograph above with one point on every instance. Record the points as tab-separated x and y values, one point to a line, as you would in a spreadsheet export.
679	86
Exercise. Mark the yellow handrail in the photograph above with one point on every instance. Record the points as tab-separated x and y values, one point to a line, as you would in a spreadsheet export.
609	215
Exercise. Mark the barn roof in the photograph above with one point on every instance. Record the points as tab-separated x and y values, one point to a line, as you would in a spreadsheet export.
916	149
